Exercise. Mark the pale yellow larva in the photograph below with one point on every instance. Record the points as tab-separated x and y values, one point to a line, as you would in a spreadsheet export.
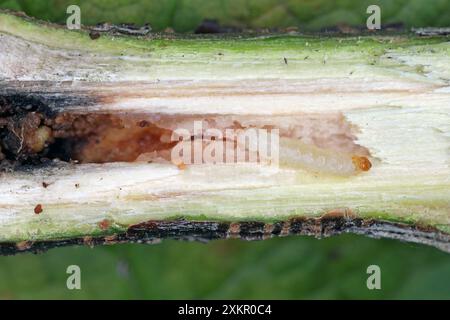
296	154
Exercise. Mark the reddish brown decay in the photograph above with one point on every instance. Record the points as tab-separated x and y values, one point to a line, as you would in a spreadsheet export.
106	138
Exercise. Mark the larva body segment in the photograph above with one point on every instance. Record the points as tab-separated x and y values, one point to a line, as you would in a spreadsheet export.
296	154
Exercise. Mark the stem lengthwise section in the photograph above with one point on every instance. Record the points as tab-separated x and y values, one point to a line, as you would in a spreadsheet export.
322	143
362	124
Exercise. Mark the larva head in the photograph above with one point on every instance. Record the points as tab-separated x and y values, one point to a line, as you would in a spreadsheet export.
361	163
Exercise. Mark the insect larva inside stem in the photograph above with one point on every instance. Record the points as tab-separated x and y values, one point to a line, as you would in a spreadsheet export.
317	143
296	154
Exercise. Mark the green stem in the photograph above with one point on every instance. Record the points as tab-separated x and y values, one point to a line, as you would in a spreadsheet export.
391	90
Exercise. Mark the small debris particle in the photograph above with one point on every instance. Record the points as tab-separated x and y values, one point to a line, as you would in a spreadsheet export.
94	35
38	209
285	60
104	224
45	184
77	185
143	123
181	166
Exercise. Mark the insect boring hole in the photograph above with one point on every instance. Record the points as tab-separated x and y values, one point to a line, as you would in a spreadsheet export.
34	138
30	136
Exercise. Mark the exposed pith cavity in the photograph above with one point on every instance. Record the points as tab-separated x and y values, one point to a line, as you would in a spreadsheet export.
313	142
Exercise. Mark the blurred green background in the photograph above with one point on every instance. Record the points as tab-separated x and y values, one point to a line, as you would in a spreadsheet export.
186	15
283	268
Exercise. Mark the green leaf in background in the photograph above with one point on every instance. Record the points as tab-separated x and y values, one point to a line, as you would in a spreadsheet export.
186	15
283	268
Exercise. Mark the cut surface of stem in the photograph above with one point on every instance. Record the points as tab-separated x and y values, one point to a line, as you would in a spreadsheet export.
89	129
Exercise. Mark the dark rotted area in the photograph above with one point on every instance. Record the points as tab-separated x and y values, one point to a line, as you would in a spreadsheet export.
17	104
25	119
47	101
19	114
36	129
